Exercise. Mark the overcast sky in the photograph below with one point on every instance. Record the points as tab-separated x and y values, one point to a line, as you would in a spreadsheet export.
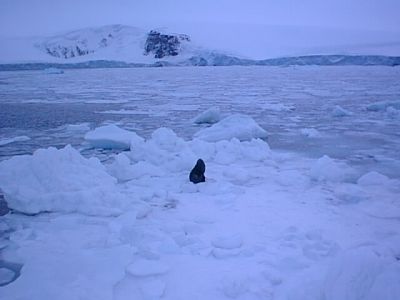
284	24
43	17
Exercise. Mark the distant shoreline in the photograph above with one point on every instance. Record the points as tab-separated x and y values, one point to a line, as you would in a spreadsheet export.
219	60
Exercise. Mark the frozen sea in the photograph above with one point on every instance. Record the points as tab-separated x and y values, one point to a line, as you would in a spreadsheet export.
310	212
284	101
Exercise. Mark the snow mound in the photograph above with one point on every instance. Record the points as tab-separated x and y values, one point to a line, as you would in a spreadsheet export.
328	169
373	178
166	139
228	242
341	112
383	105
239	126
59	181
21	138
165	152
123	170
210	116
112	137
349	193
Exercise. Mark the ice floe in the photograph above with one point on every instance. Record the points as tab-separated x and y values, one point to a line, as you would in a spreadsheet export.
112	137
238	126
209	116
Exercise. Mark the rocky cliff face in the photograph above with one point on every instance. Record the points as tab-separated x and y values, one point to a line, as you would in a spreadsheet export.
162	45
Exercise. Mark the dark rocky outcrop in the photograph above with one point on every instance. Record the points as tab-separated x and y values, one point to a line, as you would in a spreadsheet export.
162	45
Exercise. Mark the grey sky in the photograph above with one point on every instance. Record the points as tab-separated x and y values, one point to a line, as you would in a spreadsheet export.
43	17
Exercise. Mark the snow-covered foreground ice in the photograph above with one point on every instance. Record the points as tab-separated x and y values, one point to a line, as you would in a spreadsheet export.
263	225
91	221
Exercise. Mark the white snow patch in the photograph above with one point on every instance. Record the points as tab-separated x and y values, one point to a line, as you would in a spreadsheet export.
356	274
112	137
123	170
238	126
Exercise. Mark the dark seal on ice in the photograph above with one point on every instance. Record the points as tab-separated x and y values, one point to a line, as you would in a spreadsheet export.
197	173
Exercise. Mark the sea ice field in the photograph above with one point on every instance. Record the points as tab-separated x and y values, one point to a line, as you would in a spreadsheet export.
301	198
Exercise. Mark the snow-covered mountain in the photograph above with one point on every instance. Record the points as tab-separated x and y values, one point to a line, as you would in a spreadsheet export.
116	42
112	43
127	46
